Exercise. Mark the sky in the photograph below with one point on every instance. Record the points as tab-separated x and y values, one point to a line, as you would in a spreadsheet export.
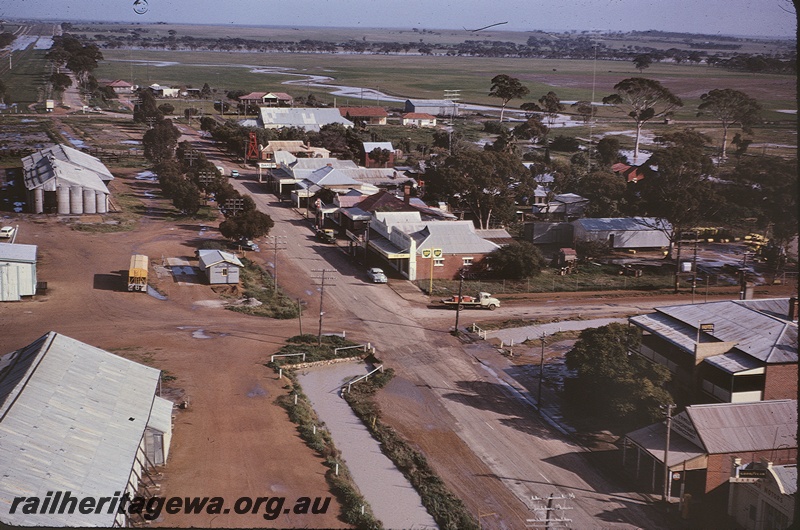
725	17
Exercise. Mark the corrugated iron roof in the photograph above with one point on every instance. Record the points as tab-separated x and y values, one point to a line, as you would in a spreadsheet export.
753	325
653	440
453	237
63	162
18	253
787	477
71	419
623	223
370	146
740	427
305	118
210	257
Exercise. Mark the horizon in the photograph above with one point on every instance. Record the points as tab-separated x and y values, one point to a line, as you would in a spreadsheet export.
405	28
769	19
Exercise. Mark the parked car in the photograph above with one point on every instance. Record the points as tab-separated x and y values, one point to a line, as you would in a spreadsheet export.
247	244
234	173
326	235
7	232
376	275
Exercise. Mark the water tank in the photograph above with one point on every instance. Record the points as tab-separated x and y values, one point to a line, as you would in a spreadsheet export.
89	205
63	200
75	199
38	200
102	202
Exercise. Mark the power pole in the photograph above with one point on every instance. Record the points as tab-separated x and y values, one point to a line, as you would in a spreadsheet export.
453	96
541	373
668	412
205	178
321	298
460	290
553	516
190	155
279	243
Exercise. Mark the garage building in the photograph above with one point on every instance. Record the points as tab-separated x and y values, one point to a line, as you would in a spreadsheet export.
220	267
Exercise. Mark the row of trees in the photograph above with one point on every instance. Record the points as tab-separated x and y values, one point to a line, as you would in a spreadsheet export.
187	178
564	46
640	99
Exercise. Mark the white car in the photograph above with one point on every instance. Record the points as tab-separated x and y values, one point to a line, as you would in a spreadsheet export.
376	275
7	232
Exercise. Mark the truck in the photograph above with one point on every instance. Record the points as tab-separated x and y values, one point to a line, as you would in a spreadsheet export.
483	300
137	273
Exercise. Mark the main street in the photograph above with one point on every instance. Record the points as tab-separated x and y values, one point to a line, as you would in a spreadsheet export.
515	456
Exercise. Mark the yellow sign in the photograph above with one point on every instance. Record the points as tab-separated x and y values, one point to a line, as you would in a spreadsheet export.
426	253
437	253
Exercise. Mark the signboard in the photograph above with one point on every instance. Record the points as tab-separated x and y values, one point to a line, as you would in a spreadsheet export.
752	473
707	328
437	253
426	253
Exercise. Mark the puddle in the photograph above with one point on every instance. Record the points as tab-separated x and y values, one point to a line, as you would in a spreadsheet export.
155	294
200	334
257	391
146	175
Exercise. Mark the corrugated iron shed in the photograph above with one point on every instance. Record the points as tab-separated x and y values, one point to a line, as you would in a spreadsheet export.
740	427
72	417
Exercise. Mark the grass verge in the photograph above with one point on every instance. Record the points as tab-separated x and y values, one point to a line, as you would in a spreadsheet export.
258	285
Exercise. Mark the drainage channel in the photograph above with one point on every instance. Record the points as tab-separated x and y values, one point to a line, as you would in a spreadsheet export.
392	498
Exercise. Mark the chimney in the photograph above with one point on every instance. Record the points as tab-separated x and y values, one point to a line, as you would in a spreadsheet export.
407	195
793	308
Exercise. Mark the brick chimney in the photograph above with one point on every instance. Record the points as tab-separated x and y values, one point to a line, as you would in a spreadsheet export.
407	195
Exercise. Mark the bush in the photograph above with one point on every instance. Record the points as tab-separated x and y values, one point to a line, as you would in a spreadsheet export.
564	143
494	127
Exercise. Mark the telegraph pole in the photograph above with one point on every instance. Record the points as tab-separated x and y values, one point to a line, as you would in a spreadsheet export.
279	243
541	373
460	290
666	493
324	277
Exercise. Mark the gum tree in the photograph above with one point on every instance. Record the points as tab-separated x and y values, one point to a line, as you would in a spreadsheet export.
642	100
507	88
730	107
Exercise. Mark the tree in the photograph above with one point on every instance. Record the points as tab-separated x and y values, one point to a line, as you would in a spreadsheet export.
642	100
520	259
60	81
507	88
380	157
585	110
478	181
612	382
147	107
248	224
205	92
166	108
642	61
159	142
730	107
551	106
680	190
186	197
608	151
605	192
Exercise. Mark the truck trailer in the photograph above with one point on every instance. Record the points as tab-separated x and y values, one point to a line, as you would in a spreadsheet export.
483	300
137	273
